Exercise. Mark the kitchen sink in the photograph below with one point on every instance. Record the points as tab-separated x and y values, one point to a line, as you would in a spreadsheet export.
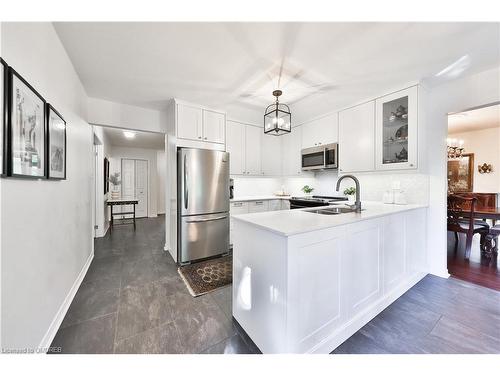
332	210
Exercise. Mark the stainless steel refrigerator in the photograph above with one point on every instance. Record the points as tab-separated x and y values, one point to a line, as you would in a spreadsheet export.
202	204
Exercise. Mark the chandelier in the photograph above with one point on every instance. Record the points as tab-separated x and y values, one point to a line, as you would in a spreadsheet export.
455	148
277	118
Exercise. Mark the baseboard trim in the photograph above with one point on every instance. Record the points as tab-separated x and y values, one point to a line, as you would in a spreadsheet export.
61	313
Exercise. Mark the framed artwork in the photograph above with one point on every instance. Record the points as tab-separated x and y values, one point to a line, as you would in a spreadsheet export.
56	149
3	114
461	174
27	130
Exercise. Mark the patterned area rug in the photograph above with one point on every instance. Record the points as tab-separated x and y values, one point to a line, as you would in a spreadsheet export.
207	276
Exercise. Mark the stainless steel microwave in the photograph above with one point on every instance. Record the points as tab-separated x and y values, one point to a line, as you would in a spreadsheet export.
320	157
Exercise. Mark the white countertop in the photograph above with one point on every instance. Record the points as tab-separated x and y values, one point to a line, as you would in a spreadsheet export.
248	198
291	222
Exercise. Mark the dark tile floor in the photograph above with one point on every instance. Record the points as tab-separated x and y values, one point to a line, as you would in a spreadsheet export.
133	301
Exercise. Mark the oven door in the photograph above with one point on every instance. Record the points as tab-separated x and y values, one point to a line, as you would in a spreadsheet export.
313	158
331	156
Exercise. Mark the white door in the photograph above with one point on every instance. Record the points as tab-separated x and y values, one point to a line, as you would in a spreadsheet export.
253	150
128	184
189	122
357	138
141	188
235	145
213	126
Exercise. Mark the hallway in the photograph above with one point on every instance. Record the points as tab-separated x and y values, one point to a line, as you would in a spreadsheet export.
132	300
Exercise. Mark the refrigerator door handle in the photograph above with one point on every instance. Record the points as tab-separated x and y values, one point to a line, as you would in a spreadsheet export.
204	220
186	191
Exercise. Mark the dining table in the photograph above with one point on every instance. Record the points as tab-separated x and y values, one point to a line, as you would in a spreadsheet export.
489	245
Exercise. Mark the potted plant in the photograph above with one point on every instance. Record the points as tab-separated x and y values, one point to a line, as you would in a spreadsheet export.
350	192
115	181
307	189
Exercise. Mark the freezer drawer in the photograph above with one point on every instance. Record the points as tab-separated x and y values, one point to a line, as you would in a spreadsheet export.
203	236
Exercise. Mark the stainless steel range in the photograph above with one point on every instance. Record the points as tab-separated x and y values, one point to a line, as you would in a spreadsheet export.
314	201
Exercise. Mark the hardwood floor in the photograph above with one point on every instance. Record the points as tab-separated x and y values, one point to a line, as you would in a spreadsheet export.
478	270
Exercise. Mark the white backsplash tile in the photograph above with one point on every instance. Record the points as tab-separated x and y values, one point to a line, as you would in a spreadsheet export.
373	185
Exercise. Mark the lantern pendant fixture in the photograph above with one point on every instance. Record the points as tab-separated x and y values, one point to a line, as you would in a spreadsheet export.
277	118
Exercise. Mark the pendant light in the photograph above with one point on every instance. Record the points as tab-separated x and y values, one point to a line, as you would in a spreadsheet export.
277	118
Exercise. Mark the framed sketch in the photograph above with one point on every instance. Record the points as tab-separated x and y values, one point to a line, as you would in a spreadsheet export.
27	129
461	174
3	114
56	149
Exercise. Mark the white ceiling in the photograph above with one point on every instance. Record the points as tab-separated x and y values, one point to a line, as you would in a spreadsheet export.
477	119
323	65
149	140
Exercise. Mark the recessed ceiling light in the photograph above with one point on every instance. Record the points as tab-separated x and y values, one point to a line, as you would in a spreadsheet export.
128	134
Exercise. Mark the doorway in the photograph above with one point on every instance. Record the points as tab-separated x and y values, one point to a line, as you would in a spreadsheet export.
473	176
135	184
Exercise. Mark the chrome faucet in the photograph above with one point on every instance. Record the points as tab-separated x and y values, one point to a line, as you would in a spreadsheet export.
357	204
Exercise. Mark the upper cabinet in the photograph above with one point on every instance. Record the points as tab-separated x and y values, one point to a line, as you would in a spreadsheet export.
396	130
320	132
272	155
357	138
235	145
189	122
292	145
244	146
213	126
200	124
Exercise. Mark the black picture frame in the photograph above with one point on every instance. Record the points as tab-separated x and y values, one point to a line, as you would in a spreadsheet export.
10	128
50	135
4	112
106	175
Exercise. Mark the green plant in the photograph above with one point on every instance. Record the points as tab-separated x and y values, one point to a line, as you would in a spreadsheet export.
307	189
350	191
115	179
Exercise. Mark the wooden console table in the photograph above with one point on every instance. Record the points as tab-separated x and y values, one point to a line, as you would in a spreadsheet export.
121	202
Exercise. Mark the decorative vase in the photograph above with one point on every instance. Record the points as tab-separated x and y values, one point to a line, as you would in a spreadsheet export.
115	193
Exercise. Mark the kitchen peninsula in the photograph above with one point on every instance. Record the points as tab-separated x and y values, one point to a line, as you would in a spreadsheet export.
304	281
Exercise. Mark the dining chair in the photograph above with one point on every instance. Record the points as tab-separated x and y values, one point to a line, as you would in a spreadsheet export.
457	223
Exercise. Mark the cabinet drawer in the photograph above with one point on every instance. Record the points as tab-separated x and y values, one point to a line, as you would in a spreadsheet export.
258	206
238	208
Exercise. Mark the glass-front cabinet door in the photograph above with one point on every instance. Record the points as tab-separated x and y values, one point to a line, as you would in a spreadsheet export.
396	130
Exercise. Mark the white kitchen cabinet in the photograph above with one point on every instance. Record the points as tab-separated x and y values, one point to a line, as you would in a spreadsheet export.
189	122
357	138
253	155
274	205
285	204
395	262
292	145
271	155
235	145
236	208
396	130
213	126
258	206
195	123
320	132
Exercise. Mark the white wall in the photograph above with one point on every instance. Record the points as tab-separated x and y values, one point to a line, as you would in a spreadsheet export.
118	153
46	225
107	113
485	145
454	96
161	168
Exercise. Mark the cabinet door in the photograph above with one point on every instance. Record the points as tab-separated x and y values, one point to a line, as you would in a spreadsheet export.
319	132
285	204
274	205
292	145
235	145
357	138
258	206
272	156
213	126
189	122
395	262
396	130
253	150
